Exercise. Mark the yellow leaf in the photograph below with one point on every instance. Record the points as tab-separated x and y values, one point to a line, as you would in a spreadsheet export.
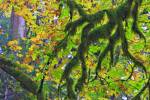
19	55
30	68
13	42
36	40
27	60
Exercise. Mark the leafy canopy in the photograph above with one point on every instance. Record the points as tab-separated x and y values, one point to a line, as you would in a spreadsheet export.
105	42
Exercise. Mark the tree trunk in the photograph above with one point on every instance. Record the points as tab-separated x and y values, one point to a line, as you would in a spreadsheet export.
18	28
40	96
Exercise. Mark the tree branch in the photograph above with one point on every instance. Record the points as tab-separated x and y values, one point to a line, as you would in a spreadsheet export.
25	81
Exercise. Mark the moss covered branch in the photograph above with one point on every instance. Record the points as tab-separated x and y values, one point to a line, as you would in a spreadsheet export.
93	32
25	81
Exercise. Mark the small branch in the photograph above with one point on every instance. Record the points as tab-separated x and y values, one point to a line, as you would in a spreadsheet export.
132	70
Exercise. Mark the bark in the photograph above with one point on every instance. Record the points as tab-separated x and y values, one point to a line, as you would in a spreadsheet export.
18	29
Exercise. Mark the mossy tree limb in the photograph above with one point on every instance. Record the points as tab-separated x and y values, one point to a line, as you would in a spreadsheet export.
25	81
116	18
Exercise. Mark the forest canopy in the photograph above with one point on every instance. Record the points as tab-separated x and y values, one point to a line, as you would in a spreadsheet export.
75	49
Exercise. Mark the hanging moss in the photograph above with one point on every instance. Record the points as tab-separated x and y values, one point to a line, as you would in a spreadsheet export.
91	34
